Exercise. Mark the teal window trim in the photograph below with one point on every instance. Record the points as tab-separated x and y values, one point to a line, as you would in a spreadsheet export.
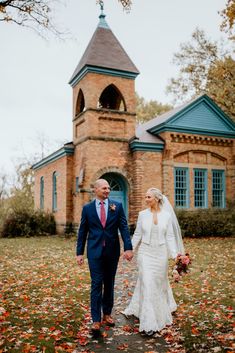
54	192
200	179
218	188
42	193
181	187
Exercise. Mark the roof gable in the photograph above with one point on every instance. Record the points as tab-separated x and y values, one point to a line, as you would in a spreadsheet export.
200	116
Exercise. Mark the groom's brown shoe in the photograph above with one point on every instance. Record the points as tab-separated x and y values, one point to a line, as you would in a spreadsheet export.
108	320
95	327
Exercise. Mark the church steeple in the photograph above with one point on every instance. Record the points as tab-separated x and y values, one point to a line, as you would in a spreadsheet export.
104	54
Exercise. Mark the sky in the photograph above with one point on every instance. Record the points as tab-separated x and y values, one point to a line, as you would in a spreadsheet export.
35	97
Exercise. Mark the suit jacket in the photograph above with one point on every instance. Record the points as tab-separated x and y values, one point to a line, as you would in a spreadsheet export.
166	234
92	231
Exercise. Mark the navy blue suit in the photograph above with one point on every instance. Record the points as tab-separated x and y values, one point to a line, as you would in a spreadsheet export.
103	251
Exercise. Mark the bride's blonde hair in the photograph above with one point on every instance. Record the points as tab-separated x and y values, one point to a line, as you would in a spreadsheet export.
157	194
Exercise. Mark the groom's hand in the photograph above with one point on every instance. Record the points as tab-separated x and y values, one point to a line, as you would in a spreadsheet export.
128	255
80	260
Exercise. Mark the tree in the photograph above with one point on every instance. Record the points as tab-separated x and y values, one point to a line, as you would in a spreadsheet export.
3	186
220	84
126	4
205	67
194	60
4	193
35	14
228	15
20	196
148	110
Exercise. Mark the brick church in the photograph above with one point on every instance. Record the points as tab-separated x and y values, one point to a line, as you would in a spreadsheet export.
188	152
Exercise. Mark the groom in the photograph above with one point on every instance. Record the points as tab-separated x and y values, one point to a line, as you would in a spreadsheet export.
100	221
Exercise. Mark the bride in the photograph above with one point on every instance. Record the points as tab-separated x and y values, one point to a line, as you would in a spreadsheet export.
159	238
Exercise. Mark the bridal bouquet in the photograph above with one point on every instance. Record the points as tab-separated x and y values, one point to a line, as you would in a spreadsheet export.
181	266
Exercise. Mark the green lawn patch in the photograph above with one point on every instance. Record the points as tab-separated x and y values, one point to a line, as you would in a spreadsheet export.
205	312
44	296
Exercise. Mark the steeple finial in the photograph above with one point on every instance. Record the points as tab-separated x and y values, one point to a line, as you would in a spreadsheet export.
101	6
102	22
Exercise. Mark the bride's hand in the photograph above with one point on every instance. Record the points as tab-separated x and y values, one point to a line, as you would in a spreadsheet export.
128	255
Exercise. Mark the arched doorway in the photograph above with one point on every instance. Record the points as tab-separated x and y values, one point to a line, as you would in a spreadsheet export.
118	189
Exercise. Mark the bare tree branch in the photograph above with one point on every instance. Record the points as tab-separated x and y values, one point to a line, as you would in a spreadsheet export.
34	14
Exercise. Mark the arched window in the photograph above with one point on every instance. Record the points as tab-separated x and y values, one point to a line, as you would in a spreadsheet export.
80	106
118	188
54	192
115	183
42	193
111	98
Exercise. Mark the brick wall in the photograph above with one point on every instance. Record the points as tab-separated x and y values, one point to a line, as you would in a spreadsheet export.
195	151
64	169
92	85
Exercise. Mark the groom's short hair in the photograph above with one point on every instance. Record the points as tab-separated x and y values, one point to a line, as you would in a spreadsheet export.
98	181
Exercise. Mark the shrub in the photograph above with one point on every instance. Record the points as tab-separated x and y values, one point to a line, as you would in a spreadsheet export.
70	230
23	223
207	222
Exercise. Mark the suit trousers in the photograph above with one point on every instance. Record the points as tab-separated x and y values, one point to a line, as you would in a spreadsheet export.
102	271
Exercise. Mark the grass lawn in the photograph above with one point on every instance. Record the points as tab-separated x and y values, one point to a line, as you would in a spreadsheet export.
44	296
205	296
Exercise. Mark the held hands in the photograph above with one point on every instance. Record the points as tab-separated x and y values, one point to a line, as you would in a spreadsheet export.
128	255
80	260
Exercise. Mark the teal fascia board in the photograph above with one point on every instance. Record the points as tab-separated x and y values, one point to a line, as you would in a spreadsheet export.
103	71
167	127
145	146
65	151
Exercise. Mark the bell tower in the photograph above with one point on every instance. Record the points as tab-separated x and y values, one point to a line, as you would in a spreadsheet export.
104	117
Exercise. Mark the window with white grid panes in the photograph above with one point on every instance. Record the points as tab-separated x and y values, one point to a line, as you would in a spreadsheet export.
181	187
200	188
218	189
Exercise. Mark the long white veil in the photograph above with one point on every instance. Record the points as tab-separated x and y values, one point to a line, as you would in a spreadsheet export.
176	228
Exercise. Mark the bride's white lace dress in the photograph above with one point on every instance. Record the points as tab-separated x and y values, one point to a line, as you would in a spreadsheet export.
152	301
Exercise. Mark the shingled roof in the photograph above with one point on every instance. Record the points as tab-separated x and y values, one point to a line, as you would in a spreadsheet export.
104	51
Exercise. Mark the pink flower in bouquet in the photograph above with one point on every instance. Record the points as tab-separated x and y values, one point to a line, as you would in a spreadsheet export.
181	266
185	260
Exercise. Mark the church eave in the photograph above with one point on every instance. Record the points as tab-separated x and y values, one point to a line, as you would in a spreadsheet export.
146	146
196	131
64	151
102	71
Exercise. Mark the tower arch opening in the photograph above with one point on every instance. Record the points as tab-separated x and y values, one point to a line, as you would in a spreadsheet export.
80	104
111	98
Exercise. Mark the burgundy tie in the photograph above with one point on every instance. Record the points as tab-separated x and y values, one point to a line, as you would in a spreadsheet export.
102	214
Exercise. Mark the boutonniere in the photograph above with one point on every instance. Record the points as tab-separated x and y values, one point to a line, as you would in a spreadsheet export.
112	207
